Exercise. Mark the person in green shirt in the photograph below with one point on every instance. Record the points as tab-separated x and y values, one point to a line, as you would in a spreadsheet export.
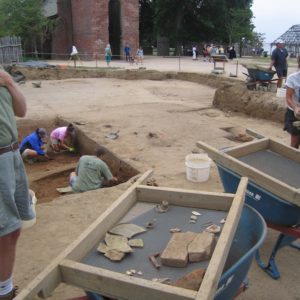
91	173
15	201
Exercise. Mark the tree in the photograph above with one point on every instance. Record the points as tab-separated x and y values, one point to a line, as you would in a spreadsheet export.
222	21
146	22
24	18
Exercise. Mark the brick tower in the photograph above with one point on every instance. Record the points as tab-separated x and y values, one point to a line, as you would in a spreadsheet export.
91	24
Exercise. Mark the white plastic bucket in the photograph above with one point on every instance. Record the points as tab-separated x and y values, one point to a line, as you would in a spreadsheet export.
197	167
280	92
29	223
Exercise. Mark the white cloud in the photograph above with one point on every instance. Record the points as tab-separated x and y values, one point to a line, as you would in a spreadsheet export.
274	17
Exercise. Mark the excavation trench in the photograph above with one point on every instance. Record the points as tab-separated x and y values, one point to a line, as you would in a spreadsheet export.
231	95
46	176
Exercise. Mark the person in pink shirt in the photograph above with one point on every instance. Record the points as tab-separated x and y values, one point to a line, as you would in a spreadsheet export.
62	138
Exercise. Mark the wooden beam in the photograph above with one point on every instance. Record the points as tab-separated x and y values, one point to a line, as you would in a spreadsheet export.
263	180
285	151
248	148
254	133
48	279
187	198
117	285
215	268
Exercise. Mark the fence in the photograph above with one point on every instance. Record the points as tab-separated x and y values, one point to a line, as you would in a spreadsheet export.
10	49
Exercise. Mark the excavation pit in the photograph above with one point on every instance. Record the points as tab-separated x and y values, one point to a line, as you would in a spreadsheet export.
45	177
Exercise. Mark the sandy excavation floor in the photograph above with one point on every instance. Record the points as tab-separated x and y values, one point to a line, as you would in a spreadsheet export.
177	114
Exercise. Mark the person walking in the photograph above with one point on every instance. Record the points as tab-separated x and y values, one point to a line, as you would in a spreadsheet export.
107	54
15	201
74	55
279	61
91	173
292	115
194	50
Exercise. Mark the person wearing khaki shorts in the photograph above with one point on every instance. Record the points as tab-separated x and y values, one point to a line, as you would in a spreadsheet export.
15	202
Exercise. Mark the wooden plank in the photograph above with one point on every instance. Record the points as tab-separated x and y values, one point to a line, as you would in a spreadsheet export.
48	279
254	133
248	148
285	151
185	198
265	181
65	190
117	285
214	270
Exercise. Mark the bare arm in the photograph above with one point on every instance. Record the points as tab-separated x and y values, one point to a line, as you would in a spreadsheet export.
18	99
290	100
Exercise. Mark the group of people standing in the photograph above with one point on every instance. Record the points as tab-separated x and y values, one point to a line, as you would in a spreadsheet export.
139	55
138	58
211	50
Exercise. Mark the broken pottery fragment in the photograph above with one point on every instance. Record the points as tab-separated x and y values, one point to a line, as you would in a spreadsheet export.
102	248
161	280
114	255
117	242
136	243
192	280
213	228
127	230
195	213
151	182
173	230
151	224
163	207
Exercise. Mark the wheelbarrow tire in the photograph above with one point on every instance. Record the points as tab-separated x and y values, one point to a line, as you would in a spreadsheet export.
251	84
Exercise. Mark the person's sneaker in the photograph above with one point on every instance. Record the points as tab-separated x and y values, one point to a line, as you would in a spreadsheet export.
11	295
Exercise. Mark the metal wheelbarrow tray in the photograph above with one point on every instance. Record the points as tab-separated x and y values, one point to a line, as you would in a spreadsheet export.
258	75
80	265
273	190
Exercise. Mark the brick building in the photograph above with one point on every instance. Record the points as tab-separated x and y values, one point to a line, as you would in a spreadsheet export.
91	24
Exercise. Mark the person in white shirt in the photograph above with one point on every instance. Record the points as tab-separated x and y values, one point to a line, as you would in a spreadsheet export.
292	115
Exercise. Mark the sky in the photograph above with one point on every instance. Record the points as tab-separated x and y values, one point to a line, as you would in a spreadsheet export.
275	17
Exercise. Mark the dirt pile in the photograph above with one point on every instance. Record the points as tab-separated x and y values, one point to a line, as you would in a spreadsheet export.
259	104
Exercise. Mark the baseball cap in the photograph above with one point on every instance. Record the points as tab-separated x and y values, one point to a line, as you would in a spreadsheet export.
279	41
42	132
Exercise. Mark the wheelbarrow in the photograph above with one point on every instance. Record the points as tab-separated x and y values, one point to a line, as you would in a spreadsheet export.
258	77
266	192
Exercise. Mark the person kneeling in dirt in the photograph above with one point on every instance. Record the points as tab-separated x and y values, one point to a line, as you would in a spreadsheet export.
91	173
33	146
62	138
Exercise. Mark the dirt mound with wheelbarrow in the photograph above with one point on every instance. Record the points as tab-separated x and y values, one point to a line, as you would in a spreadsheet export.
259	104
